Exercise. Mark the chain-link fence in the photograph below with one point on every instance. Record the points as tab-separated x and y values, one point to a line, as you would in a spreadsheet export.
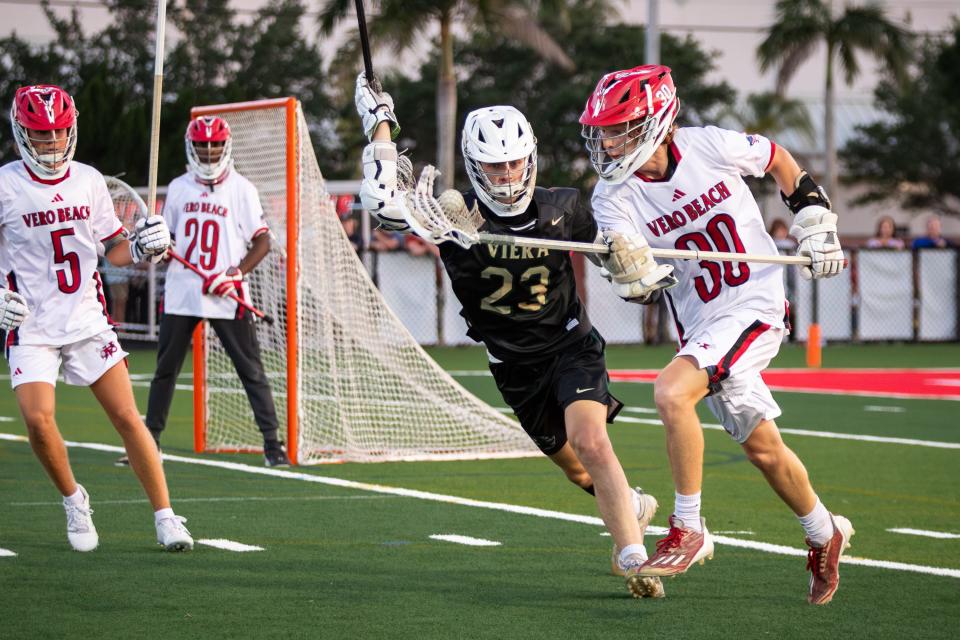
883	295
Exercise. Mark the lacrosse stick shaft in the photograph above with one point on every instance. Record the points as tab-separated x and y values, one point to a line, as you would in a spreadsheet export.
155	123
243	303
675	254
365	46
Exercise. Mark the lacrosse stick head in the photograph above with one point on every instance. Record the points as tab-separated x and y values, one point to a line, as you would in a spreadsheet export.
436	222
128	204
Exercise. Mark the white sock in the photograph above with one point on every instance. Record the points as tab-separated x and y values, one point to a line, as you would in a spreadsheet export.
76	498
160	514
687	508
632	550
635	501
818	525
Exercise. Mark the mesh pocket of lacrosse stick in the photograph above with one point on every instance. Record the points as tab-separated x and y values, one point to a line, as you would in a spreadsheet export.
441	219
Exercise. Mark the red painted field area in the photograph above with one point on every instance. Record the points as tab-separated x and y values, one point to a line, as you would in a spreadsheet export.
935	384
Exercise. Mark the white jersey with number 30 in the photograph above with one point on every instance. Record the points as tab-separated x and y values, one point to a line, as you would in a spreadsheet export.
50	238
213	228
704	205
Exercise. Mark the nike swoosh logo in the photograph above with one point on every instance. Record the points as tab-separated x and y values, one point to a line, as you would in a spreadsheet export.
579	390
556	221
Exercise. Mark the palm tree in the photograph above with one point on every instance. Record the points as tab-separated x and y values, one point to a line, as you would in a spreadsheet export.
402	23
802	24
770	114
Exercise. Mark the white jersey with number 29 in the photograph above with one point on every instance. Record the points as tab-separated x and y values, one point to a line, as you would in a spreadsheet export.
213	228
50	238
704	205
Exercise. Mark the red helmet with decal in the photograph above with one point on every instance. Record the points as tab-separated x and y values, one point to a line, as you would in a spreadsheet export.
208	143
627	117
38	115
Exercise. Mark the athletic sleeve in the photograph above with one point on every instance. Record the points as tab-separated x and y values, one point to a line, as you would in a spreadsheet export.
749	153
251	219
170	208
103	215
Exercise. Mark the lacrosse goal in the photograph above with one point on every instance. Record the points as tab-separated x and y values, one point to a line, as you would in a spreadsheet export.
349	381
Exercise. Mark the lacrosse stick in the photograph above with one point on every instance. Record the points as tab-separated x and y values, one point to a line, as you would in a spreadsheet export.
130	208
365	48
447	219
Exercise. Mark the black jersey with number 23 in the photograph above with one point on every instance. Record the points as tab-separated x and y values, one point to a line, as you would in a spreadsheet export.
521	302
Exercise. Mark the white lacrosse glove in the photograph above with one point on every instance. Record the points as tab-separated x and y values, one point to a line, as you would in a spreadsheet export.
374	107
631	269
224	283
150	240
13	310
815	230
379	193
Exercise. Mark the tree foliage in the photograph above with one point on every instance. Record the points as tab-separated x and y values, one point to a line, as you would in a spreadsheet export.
912	154
212	59
494	70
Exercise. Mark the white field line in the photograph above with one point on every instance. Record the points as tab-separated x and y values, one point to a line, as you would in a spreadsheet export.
6	553
6	419
496	506
229	545
943	535
467	540
877	408
819	434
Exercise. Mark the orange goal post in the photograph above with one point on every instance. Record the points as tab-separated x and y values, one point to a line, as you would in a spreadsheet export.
349	381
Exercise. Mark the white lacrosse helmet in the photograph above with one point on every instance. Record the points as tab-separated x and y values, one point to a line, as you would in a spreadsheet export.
499	135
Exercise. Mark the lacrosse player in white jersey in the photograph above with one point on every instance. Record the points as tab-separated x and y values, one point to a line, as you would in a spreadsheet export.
545	356
681	188
56	217
218	223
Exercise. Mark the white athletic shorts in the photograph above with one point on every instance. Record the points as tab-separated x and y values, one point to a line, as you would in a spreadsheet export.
84	362
734	351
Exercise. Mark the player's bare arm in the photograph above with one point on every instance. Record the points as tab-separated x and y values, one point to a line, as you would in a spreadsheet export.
258	250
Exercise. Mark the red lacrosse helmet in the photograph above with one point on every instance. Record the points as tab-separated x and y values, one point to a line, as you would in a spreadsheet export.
208	147
627	117
42	108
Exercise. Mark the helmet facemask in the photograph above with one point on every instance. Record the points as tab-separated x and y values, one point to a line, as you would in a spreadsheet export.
617	151
44	123
505	187
208	145
500	155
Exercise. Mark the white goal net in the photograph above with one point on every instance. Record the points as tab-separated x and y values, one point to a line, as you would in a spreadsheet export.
349	381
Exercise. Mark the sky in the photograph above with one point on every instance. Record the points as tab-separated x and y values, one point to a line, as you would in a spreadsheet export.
730	28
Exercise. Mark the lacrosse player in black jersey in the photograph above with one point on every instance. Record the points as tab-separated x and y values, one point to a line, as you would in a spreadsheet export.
522	303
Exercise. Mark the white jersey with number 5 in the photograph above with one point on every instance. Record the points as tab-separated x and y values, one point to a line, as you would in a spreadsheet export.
704	205
50	239
213	227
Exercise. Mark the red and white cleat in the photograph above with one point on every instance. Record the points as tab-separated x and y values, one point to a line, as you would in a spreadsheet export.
823	563
680	549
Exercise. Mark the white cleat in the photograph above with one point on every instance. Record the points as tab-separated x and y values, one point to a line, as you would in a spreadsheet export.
80	530
648	508
172	535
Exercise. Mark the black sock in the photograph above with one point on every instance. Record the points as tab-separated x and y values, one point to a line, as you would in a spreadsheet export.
590	490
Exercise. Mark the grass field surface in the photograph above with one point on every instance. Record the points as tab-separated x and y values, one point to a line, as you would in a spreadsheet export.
347	550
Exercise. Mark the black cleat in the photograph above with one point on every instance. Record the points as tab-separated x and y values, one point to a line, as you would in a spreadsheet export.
276	456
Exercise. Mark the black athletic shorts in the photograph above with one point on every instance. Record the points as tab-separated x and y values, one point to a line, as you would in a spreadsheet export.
538	392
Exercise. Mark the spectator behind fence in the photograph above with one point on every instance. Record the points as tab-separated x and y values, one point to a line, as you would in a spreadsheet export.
416	246
933	239
384	240
886	236
344	206
780	233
